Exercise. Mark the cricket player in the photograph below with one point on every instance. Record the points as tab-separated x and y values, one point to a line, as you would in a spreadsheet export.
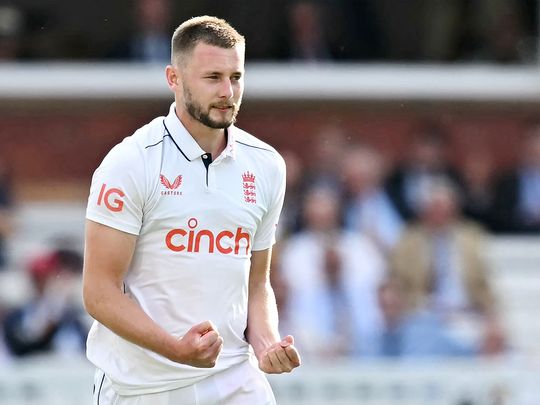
181	220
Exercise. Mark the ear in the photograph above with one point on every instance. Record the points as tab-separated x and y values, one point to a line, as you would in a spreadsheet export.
173	78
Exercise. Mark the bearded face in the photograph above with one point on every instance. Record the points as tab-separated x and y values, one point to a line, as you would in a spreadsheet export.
217	115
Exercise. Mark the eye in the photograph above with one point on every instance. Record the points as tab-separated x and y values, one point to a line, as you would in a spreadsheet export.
236	77
212	77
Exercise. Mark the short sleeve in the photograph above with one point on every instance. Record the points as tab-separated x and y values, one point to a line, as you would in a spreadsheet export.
265	235
117	191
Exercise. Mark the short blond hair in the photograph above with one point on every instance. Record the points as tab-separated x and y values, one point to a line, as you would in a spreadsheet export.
209	30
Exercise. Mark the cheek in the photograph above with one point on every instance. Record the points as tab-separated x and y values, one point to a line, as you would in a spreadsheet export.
239	89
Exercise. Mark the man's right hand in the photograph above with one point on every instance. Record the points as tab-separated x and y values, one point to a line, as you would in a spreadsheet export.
200	346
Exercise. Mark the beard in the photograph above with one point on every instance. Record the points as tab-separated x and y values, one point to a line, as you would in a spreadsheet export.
202	115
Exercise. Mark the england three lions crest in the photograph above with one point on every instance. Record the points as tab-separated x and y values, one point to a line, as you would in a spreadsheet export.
250	191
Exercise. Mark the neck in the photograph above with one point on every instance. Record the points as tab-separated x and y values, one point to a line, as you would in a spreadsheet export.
209	139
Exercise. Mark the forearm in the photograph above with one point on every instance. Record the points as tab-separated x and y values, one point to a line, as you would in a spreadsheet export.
262	330
115	310
275	355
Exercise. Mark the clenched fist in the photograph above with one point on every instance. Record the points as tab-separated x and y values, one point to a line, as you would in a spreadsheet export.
281	357
200	346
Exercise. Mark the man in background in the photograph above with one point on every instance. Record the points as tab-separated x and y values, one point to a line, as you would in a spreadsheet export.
439	264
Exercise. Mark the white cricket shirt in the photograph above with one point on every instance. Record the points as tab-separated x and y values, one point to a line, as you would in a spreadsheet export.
197	222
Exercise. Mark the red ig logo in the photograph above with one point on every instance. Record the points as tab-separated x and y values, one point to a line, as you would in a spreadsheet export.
115	204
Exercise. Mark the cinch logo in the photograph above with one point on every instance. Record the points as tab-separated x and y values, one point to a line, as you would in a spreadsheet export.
116	204
179	240
171	187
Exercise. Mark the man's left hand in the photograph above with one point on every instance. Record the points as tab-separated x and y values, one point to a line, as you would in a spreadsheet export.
281	357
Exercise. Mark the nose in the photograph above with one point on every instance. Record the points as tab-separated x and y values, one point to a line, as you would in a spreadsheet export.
226	89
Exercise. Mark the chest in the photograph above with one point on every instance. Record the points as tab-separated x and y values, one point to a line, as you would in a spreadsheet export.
217	198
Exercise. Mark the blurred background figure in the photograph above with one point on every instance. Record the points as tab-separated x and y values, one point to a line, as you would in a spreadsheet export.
11	32
517	201
478	174
52	321
326	151
290	219
289	223
440	264
507	40
150	42
5	354
496	30
408	334
426	162
6	211
331	279
307	39
355	30
368	208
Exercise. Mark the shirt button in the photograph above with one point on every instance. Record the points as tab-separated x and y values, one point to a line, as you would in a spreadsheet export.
205	156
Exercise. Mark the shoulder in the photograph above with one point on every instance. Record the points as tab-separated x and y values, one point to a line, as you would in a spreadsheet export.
414	234
135	149
262	157
247	143
245	139
472	230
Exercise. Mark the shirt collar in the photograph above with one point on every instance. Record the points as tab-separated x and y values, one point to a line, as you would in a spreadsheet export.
230	148
187	144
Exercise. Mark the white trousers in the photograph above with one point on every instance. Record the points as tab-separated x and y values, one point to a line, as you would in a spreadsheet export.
243	384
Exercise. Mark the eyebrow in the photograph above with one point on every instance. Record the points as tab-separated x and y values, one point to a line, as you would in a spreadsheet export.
222	73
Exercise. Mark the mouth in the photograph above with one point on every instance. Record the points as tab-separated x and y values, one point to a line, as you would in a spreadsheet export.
223	108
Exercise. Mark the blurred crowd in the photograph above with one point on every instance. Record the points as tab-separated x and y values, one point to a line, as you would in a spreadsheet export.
40	303
379	260
501	31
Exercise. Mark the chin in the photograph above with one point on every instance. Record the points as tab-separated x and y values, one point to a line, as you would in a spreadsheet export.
222	123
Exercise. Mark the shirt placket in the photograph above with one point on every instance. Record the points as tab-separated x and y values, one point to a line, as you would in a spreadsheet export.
211	173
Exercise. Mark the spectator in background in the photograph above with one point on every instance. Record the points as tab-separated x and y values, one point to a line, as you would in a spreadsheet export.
11	30
5	354
6	206
368	208
440	263
331	277
290	219
410	333
151	41
52	321
507	40
426	162
289	222
478	172
517	199
326	153
354	30
307	37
